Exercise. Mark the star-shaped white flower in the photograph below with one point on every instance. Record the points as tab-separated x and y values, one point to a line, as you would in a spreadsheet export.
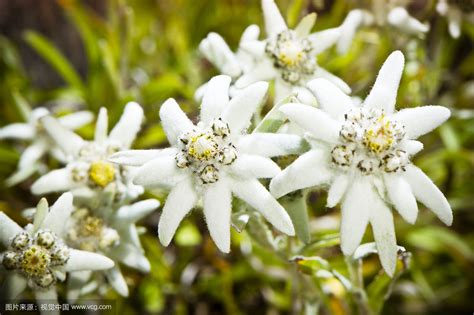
40	143
212	160
37	257
289	56
395	16
363	153
87	172
110	232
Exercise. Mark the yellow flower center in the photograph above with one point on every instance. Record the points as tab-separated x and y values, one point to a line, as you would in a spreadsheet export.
35	261
291	53
380	136
102	173
202	147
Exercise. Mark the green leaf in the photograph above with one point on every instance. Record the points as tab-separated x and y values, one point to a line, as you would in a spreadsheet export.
297	209
293	12
55	58
22	105
188	235
306	24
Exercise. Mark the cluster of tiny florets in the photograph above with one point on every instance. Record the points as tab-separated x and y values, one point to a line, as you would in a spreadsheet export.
370	142
291	55
34	256
90	233
204	151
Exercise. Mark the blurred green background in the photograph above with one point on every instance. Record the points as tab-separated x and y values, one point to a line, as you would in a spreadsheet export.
69	55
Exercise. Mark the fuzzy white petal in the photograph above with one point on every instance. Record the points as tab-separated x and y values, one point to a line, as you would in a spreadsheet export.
270	144
8	229
384	92
322	73
216	50
310	169
117	281
304	27
69	142
274	22
127	128
330	98
56	180
421	120
216	98
17	131
381	220
76	120
253	193
337	190
242	107
13	286
400	194
139	157
263	71
354	19
355	214
174	120
217	207
47	297
324	39
180	201
250	33
318	123
81	260
59	214
412	147
159	171
32	154
254	166
137	210
427	193
255	48
101	126
399	17
282	89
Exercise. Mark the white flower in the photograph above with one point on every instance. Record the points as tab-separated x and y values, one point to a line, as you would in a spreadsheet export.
41	144
212	160
113	233
88	172
363	153
37	257
395	16
289	56
455	12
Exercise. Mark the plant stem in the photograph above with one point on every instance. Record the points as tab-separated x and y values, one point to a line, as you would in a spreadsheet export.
358	292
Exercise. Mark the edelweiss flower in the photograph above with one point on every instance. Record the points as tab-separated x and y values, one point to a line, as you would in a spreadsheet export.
395	16
88	172
33	131
37	257
363	153
289	56
213	159
110	232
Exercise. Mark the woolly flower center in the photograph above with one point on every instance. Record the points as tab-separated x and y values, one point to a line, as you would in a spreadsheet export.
92	168
205	151
291	55
90	233
370	142
35	256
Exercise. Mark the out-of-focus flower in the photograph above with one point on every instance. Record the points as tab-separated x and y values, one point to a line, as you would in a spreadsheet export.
215	50
37	257
395	16
87	172
113	233
40	142
455	12
212	160
363	154
289	56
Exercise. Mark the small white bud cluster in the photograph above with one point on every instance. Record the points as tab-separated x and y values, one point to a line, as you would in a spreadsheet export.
35	256
370	142
291	55
204	151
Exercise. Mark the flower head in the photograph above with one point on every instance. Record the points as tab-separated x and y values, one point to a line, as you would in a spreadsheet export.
289	56
40	143
212	160
363	153
88	172
37	255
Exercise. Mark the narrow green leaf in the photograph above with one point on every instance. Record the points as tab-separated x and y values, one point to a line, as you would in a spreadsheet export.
298	211
24	109
55	58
